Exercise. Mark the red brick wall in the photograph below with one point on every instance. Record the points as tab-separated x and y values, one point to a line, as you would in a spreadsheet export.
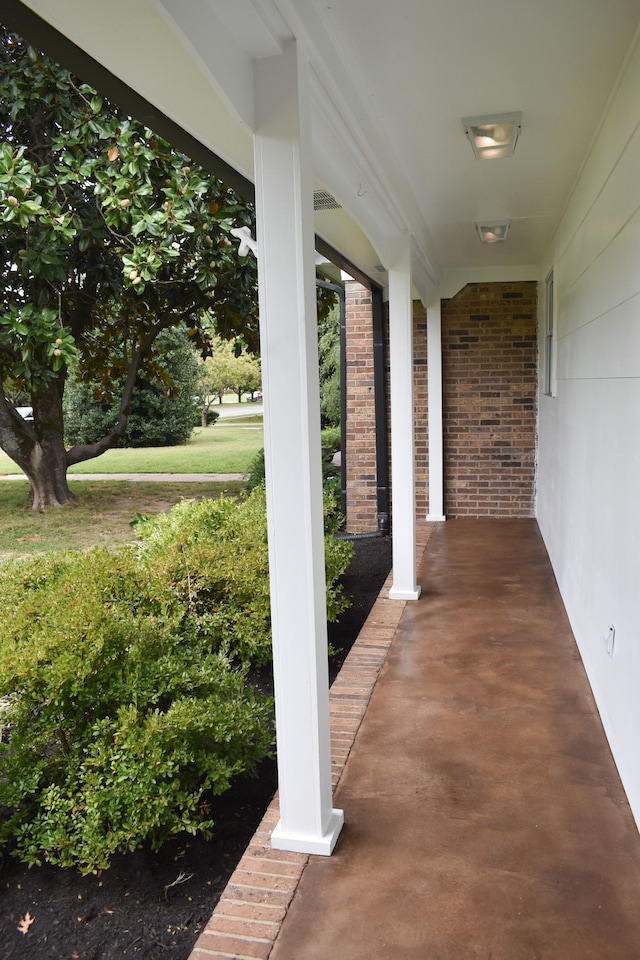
362	501
489	357
489	404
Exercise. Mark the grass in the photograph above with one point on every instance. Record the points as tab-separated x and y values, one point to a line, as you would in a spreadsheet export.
106	507
227	447
103	515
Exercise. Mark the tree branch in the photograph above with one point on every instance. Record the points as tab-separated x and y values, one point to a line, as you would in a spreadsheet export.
88	451
16	435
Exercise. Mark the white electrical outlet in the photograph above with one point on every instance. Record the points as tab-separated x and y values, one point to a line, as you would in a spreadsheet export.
609	640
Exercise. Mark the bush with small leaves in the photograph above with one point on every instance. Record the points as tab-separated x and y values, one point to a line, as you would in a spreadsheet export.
256	470
212	555
331	438
121	716
127	673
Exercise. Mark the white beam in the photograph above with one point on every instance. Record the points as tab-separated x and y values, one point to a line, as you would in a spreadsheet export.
434	388
402	429
288	330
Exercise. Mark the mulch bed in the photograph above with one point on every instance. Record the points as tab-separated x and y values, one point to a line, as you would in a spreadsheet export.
154	905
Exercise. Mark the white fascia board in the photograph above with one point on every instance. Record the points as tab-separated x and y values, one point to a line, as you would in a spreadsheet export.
216	51
256	25
425	282
353	187
148	49
351	155
226	37
353	180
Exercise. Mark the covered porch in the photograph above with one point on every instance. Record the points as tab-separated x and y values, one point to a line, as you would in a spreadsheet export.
482	808
484	813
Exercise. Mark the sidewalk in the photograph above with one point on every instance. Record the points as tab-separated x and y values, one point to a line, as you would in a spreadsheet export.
484	815
146	477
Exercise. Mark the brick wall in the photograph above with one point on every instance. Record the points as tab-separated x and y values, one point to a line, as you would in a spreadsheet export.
489	404
489	357
361	476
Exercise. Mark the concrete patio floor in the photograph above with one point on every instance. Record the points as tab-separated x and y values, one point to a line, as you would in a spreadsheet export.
484	814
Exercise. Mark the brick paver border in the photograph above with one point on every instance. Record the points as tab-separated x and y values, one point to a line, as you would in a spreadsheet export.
247	919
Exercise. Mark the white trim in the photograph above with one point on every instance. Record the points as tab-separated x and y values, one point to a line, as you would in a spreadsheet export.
402	429
321	845
434	386
293	466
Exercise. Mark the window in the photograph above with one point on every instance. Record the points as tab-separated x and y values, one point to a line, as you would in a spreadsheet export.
549	345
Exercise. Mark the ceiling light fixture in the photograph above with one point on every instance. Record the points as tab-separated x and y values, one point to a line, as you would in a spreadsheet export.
494	231
493	137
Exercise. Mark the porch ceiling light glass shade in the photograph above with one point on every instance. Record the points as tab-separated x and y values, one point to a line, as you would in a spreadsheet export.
494	231
493	137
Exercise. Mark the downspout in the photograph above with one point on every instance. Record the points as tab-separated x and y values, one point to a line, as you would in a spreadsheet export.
382	434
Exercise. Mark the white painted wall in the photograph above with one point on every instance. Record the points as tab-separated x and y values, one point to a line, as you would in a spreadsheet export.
588	498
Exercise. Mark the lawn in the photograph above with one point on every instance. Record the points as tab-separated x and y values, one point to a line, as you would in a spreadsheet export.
106	507
229	446
103	515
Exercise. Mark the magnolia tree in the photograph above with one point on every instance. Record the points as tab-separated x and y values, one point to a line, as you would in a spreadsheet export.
108	237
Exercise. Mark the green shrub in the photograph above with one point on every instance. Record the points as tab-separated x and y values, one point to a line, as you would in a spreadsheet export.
213	555
331	478
121	715
256	470
210	418
160	414
331	438
128	672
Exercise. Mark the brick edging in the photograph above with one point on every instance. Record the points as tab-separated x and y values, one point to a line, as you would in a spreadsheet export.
247	919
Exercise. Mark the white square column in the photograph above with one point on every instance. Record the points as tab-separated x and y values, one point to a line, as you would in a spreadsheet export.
403	484
434	389
289	350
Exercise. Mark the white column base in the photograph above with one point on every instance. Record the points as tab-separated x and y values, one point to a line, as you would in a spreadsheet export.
435	518
395	593
322	845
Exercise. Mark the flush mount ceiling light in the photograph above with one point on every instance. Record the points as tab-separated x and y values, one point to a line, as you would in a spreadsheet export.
494	231
493	137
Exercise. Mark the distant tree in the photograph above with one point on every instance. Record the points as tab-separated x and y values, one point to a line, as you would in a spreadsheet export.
246	375
162	409
108	237
229	367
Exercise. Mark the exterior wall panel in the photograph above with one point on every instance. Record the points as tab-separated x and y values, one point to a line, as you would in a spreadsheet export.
588	505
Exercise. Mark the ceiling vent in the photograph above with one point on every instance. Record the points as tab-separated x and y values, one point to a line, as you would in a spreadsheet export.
322	200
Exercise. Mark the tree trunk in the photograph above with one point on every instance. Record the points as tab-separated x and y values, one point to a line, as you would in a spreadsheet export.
47	469
47	476
38	447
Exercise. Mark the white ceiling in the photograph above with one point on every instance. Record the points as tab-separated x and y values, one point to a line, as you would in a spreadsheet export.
419	67
391	83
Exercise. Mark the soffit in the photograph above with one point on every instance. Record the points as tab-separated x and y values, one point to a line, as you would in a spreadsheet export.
390	84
